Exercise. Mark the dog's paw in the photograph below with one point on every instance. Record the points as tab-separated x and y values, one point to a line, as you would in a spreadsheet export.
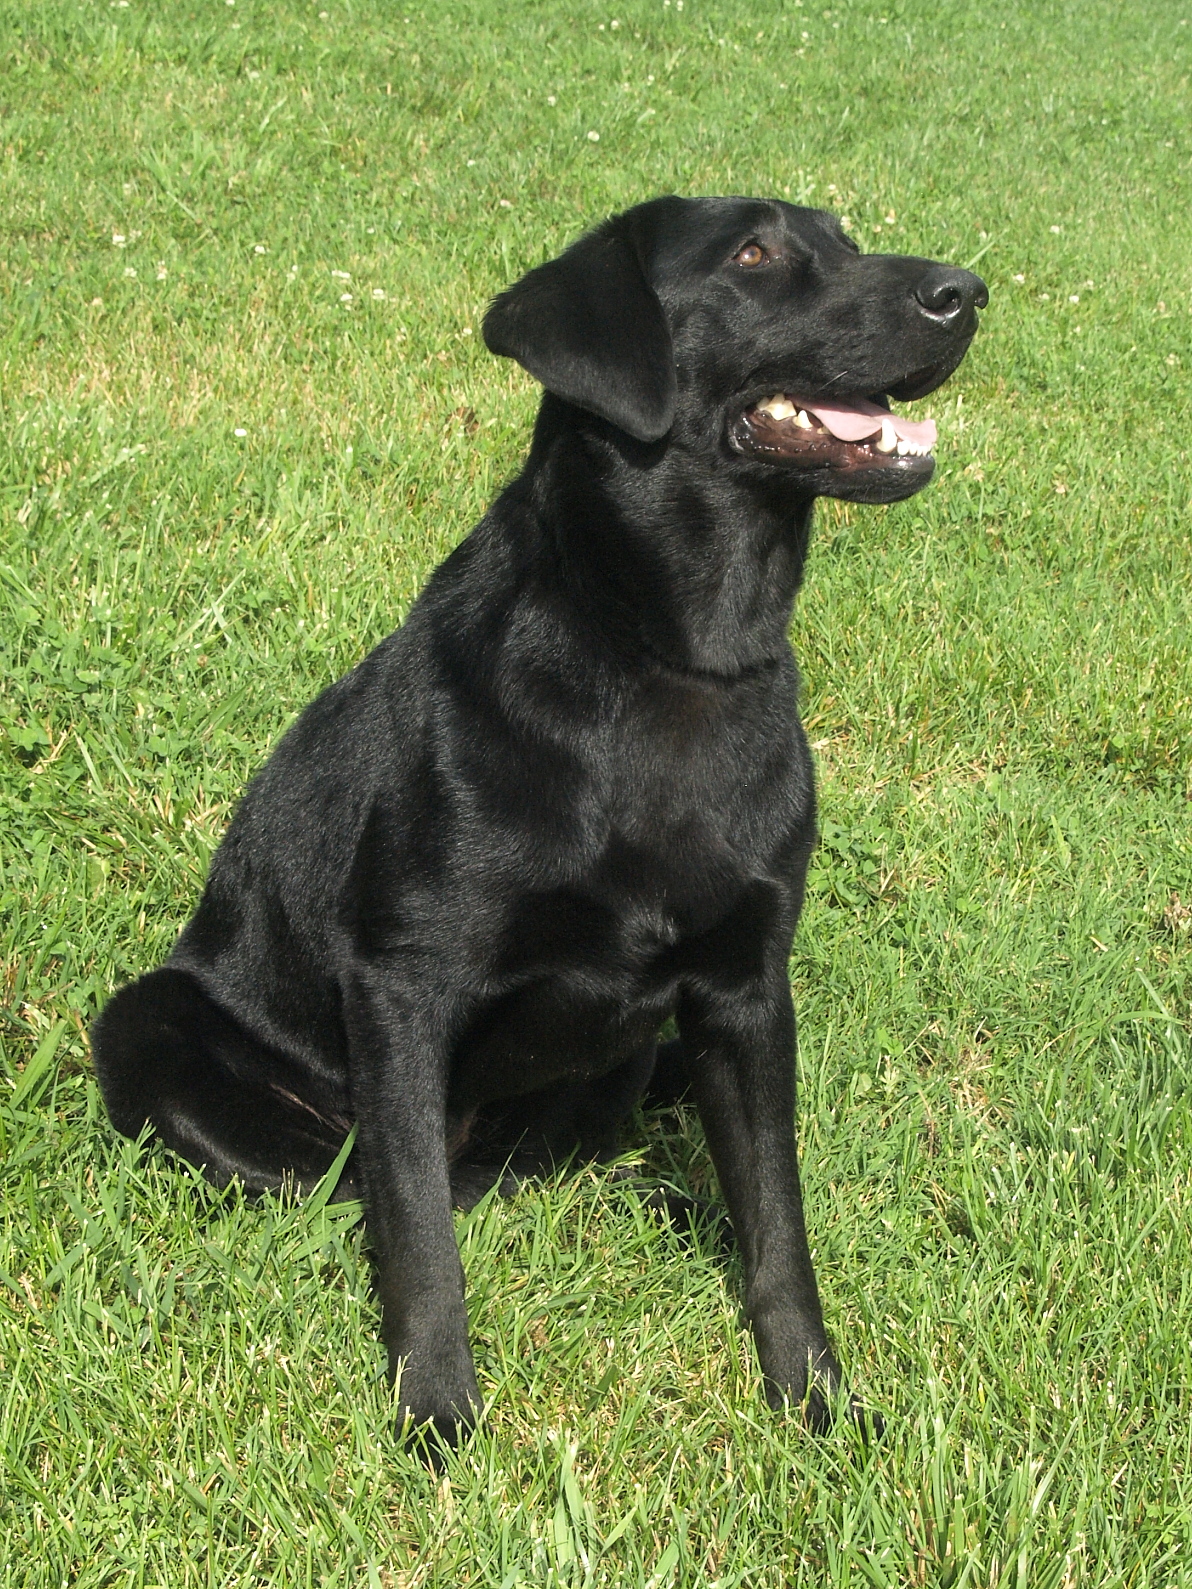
438	1401
432	1425
823	1401
810	1379
434	1436
821	1411
693	1219
870	1423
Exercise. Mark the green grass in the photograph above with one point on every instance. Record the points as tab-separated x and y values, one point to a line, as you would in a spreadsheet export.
994	971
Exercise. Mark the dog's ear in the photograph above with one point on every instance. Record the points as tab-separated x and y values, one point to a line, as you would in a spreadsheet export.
589	326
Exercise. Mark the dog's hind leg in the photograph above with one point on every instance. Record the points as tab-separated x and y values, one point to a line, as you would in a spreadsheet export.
470	1181
581	1121
168	1056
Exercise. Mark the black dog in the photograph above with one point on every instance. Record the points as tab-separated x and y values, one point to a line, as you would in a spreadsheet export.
571	796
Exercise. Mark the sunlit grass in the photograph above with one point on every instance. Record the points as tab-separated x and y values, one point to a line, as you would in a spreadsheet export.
244	410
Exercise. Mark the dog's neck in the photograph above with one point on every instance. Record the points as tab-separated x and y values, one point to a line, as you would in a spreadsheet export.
669	549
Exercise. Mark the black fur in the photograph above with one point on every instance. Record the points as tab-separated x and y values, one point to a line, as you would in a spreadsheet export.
569	799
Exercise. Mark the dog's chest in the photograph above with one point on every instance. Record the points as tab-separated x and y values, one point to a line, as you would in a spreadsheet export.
692	804
589	972
664	891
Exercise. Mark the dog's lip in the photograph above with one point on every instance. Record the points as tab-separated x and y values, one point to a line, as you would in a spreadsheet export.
907	388
920	382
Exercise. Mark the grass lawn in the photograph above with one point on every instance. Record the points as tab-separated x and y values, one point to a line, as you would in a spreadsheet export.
244	409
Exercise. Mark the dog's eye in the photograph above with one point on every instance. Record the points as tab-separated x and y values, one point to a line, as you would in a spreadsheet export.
752	254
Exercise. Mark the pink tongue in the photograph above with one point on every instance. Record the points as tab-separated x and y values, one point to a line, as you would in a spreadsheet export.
858	419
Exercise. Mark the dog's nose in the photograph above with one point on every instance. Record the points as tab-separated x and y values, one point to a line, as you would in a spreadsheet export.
946	293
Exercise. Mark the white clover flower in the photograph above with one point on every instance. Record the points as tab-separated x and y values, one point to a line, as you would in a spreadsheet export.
342	275
345	297
506	204
240	430
129	270
259	248
593	137
378	293
119	239
161	270
1073	297
1019	278
1057	230
550	99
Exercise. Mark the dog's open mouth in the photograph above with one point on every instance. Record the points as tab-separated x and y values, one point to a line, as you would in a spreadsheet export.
860	434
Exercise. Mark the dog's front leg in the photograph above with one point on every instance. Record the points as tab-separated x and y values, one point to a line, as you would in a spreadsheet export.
740	1045
398	1055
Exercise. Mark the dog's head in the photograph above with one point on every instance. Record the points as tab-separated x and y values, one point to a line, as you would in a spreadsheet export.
751	327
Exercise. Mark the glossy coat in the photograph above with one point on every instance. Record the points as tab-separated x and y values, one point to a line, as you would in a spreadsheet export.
568	799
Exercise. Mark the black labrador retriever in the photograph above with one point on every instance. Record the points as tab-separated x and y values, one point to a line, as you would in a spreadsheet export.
571	797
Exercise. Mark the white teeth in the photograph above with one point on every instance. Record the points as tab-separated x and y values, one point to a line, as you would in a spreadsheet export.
888	440
777	407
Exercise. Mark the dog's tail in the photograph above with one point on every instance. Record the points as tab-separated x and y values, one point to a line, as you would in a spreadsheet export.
166	1055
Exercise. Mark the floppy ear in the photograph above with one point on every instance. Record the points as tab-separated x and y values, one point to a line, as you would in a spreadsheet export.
589	326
